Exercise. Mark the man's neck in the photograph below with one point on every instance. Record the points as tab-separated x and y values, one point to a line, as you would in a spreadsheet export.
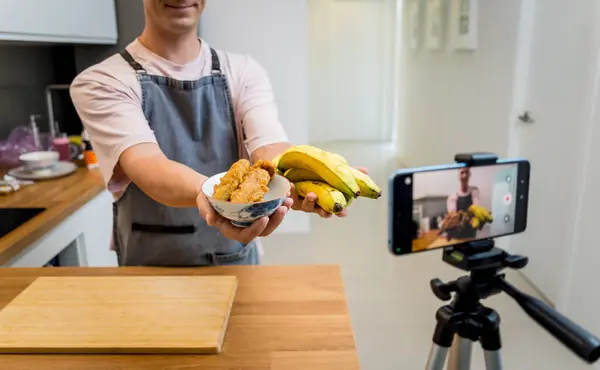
464	189
180	49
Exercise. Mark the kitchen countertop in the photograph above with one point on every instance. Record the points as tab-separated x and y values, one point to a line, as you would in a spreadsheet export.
283	318
60	197
432	240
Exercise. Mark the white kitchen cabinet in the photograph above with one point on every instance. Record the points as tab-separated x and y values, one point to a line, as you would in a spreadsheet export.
83	239
59	21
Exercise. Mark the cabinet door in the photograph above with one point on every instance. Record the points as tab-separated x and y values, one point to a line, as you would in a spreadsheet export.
558	84
63	21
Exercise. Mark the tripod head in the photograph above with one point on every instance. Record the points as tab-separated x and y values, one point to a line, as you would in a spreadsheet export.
484	261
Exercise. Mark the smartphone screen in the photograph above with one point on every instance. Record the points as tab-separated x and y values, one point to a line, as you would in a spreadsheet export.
437	207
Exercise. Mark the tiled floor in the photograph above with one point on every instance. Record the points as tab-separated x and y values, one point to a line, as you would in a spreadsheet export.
390	301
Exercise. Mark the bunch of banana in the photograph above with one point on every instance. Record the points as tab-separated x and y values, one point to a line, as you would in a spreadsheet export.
480	216
328	175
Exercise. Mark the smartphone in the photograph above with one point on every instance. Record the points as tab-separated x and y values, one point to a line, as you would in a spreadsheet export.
440	206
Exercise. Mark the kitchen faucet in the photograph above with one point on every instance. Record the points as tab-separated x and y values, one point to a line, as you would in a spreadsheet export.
49	90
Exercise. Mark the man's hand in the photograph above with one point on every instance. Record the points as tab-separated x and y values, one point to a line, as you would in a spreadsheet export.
261	227
309	203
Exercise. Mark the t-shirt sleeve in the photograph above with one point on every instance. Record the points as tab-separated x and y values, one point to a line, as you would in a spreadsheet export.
255	107
112	116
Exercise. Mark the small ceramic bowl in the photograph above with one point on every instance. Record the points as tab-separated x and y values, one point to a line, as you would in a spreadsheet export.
244	214
36	161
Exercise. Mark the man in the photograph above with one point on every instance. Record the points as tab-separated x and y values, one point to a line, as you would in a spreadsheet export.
461	201
163	115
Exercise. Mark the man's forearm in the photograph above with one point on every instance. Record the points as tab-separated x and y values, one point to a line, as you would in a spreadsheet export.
170	183
173	184
269	152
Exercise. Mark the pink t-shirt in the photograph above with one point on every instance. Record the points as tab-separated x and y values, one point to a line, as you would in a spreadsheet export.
107	97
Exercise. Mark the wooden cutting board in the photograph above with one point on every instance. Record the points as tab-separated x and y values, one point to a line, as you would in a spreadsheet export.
119	314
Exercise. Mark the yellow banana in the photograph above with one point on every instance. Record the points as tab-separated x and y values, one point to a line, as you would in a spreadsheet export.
275	162
299	174
349	200
476	212
328	197
331	170
480	215
339	158
368	187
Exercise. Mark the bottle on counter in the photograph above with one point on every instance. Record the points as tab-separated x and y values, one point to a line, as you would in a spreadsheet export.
89	156
35	130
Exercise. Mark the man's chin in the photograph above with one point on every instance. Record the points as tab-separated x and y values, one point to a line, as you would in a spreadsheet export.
182	25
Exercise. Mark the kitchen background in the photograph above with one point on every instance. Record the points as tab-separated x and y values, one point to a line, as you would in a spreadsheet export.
26	69
347	78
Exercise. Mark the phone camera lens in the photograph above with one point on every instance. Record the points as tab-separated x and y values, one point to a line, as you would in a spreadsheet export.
408	181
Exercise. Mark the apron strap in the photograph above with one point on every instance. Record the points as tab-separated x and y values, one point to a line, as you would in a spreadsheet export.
216	64
129	59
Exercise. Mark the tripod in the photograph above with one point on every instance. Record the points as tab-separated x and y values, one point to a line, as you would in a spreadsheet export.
465	320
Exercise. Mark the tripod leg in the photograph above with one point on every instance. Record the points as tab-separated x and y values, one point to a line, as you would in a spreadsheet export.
493	360
442	340
437	357
491	344
460	354
490	340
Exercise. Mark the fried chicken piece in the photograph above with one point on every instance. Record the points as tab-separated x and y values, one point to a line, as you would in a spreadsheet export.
232	180
267	166
254	186
453	220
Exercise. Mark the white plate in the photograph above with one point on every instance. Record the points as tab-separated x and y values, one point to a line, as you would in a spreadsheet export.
60	169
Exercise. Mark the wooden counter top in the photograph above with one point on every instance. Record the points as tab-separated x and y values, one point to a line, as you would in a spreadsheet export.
61	198
283	318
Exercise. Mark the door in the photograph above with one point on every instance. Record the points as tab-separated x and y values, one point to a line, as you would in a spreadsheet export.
557	88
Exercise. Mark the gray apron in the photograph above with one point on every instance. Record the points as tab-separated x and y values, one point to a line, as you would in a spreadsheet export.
194	125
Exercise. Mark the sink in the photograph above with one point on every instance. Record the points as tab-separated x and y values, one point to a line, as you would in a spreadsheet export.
12	218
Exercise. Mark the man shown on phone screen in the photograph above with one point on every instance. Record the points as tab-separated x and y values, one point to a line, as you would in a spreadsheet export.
461	201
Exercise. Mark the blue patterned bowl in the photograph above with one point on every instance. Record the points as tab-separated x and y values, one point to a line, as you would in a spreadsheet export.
244	214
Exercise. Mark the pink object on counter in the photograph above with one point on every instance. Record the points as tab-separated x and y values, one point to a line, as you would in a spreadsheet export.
62	145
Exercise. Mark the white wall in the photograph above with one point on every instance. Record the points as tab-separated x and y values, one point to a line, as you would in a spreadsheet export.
275	33
447	183
537	55
351	61
460	101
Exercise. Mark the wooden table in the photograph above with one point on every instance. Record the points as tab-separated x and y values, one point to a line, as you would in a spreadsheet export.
60	197
283	318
